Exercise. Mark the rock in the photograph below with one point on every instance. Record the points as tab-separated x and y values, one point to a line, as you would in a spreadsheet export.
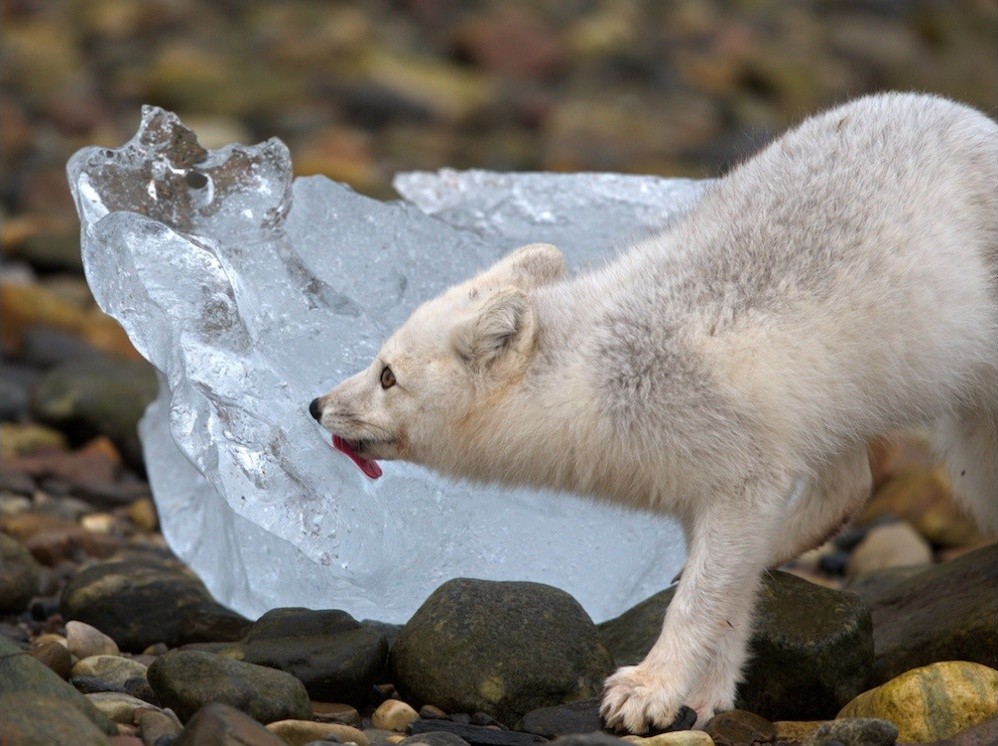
889	545
503	648
301	732
56	656
676	738
30	717
142	602
119	707
337	658
84	641
796	731
185	680
159	727
97	396
985	734
28	438
812	647
859	731
562	720
932	702
434	738
20	575
393	715
476	735
335	712
115	674
21	674
218	723
53	539
945	612
739	728
430	712
590	739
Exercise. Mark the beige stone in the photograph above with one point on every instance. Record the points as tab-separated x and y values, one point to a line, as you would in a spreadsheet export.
299	732
933	702
676	738
120	708
891	545
393	715
84	641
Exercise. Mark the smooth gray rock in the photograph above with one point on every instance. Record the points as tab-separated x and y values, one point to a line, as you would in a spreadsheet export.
23	675
141	602
502	648
337	658
812	648
186	680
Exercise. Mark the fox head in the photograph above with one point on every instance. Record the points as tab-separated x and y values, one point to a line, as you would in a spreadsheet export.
455	354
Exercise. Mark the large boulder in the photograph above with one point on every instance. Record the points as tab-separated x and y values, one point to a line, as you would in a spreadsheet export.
812	647
502	648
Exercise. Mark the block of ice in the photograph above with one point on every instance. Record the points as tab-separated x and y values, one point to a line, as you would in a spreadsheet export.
251	293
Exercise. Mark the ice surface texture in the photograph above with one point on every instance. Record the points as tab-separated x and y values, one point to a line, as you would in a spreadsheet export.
251	294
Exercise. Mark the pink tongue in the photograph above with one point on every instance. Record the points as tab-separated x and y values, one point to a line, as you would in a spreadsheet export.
370	468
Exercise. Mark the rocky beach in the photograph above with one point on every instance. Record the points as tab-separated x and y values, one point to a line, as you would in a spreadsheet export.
887	634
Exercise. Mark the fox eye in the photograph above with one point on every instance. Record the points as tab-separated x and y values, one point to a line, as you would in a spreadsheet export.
387	378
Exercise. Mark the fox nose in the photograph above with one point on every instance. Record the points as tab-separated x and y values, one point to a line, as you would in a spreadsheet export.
315	409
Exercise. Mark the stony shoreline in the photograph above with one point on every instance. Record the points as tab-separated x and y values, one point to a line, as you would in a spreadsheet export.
99	617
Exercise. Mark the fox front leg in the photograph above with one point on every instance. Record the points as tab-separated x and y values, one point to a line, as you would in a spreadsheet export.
698	657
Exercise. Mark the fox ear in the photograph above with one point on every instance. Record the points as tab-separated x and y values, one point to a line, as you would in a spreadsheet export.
502	328
526	268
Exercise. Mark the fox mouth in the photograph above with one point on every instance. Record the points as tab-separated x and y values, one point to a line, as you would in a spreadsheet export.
354	448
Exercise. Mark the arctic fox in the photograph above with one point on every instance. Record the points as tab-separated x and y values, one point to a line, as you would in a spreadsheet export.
838	286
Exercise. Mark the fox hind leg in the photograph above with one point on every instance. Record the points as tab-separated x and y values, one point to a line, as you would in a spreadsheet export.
968	442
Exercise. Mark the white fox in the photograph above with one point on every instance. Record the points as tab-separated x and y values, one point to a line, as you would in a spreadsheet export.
840	285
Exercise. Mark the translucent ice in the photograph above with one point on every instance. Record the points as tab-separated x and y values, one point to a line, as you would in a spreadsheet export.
251	294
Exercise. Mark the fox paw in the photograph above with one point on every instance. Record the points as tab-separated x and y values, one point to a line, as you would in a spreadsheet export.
637	701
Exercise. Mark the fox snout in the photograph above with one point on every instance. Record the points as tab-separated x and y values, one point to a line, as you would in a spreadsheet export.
315	409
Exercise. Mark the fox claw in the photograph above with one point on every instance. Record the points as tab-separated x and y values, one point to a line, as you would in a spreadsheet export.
635	702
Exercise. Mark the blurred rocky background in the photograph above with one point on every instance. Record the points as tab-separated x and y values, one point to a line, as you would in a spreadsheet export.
360	91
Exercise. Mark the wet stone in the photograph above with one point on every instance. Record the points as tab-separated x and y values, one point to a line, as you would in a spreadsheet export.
740	728
560	720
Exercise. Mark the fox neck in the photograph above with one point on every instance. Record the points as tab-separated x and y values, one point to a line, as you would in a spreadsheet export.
543	428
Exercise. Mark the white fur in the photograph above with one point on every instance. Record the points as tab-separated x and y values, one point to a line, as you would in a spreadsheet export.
840	285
